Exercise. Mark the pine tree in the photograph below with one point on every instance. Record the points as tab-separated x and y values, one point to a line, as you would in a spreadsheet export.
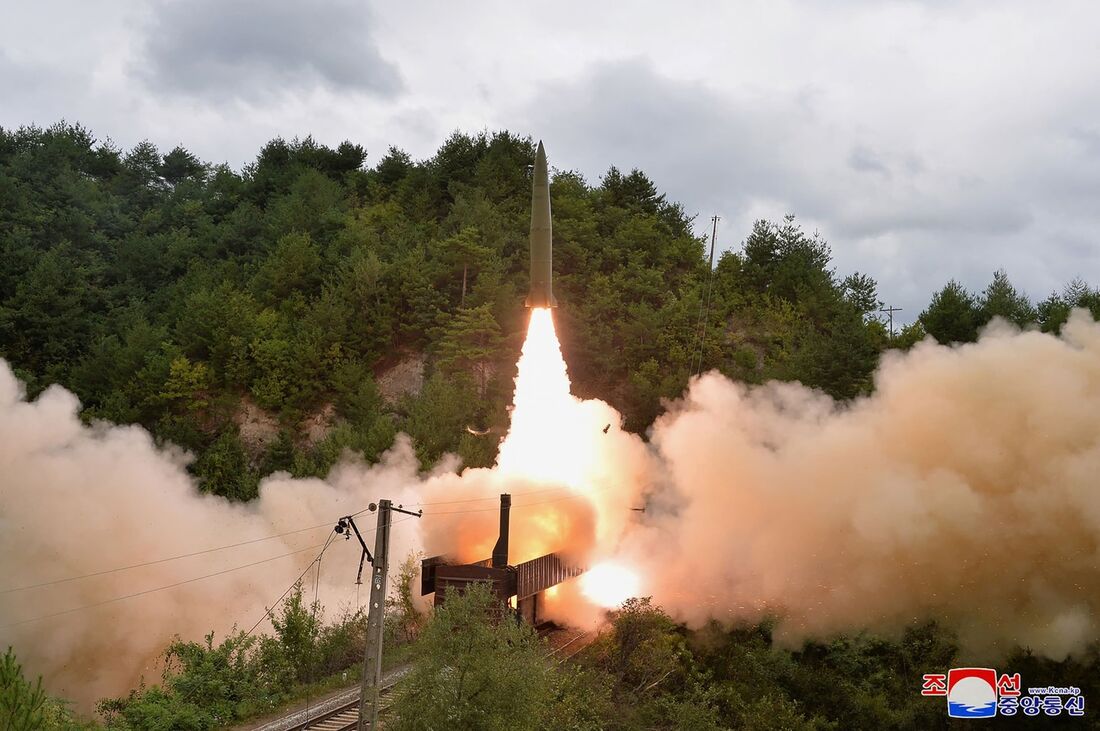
952	316
22	705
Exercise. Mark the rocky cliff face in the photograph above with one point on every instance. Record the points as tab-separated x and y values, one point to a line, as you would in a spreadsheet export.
406	377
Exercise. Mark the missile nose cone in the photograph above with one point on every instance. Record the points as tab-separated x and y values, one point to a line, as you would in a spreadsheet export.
542	176
541	294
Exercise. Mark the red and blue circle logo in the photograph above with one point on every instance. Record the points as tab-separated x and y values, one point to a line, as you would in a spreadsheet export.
971	692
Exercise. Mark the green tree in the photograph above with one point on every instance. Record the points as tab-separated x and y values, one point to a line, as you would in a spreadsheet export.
952	316
1001	299
909	336
188	383
1052	313
643	648
475	667
50	318
470	344
22	704
393	166
438	417
1079	294
223	468
294	265
297	628
179	165
403	617
862	292
357	397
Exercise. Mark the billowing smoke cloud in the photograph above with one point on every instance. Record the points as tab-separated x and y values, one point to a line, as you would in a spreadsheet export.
965	489
76	500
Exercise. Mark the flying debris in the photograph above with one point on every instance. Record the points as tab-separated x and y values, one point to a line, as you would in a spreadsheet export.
541	294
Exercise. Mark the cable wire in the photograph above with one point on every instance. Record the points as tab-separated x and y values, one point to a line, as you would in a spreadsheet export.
170	558
704	309
159	560
112	600
269	610
159	588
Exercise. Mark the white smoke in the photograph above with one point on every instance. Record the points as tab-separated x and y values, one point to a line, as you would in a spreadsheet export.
964	489
76	500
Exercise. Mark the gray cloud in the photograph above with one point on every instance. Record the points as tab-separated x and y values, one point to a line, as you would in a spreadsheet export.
701	147
44	93
910	216
984	118
252	49
864	160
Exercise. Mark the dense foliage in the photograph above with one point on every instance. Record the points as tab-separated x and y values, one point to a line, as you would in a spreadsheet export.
475	667
185	297
179	295
25	706
665	677
208	685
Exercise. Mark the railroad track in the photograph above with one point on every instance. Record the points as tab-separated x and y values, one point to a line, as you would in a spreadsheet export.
340	718
341	713
555	636
338	714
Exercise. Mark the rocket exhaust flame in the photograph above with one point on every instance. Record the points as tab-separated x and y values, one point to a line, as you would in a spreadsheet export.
554	439
944	494
609	584
542	443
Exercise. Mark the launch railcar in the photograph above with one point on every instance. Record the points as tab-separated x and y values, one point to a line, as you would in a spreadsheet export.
525	581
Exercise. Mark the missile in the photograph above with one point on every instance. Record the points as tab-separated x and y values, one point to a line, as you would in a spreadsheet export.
541	294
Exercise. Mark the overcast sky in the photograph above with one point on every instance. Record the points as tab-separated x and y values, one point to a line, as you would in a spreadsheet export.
923	140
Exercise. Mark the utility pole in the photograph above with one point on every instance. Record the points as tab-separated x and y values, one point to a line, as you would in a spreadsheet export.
372	661
704	309
891	311
713	233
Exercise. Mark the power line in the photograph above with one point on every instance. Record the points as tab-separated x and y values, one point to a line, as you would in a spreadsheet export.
169	558
331	538
156	589
891	310
112	600
704	301
159	560
255	563
312	660
268	610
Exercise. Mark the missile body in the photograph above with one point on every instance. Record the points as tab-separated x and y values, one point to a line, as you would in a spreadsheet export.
541	294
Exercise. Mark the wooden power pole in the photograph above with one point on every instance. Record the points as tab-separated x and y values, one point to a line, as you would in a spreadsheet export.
704	299
891	311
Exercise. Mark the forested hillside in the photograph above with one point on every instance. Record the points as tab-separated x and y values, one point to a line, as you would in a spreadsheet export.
186	297
321	300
